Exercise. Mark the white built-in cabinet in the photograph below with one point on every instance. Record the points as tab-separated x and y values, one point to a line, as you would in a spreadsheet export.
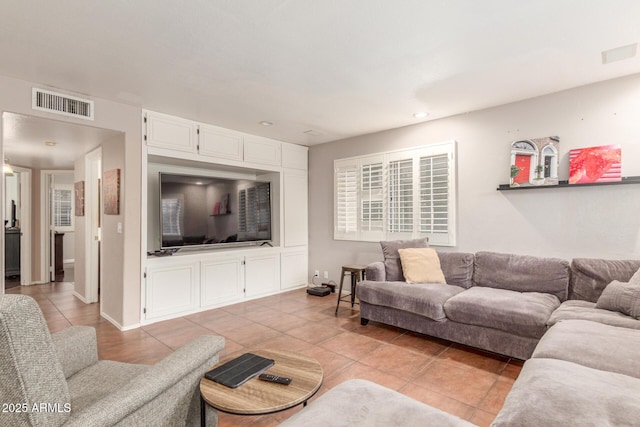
221	279
295	207
174	133
262	273
193	281
172	288
220	143
294	268
164	131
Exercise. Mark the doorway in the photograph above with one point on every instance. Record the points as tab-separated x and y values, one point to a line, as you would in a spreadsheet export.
59	232
38	144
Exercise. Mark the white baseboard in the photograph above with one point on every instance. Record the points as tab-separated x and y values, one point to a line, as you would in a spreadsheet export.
80	297
118	325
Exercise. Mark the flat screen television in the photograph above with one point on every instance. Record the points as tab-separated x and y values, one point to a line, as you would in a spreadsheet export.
203	211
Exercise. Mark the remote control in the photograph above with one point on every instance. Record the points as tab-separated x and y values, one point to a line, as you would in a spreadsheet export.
275	379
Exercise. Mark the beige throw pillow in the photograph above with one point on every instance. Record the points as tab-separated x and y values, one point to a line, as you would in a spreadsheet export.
421	265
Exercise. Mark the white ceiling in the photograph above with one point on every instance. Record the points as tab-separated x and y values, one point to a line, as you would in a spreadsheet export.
341	67
24	140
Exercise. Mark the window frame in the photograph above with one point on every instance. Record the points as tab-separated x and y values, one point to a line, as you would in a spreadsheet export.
356	165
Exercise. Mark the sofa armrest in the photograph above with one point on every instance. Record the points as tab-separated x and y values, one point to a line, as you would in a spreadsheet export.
160	395
76	348
375	272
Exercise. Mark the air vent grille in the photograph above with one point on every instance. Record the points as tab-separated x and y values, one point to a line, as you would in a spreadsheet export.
57	103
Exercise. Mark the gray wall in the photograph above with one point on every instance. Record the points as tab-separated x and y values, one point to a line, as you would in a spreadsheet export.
600	222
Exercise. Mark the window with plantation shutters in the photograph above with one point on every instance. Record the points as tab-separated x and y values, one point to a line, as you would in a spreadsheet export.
397	195
63	209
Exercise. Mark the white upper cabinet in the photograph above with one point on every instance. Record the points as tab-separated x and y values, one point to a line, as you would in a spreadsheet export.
164	131
213	142
262	150
221	143
295	156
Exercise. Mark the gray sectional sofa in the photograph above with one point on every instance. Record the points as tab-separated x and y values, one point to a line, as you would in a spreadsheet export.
583	366
496	302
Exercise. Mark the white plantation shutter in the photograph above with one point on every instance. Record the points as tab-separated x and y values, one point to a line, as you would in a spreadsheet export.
434	194
400	199
372	197
346	201
397	195
63	209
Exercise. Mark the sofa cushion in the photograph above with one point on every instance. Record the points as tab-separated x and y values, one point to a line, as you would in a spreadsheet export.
589	276
522	273
457	268
392	265
621	296
97	381
551	392
425	299
592	344
421	265
521	313
364	403
584	310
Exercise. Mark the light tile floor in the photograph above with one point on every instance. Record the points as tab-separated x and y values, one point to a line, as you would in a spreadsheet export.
457	379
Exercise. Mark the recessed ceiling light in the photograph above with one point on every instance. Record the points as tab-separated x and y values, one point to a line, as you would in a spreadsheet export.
420	115
619	53
50	143
313	132
266	123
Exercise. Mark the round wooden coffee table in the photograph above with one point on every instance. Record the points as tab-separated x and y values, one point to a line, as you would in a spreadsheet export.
257	397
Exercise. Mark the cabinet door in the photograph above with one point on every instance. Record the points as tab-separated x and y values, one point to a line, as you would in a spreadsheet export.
220	143
262	274
222	280
295	156
295	208
294	269
172	289
262	150
164	131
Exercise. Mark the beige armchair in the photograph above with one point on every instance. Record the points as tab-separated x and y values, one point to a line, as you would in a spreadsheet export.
54	380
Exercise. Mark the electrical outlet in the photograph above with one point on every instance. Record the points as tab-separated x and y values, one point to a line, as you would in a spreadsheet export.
326	275
316	273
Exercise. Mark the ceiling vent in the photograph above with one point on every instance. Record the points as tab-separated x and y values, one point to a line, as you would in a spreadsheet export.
58	103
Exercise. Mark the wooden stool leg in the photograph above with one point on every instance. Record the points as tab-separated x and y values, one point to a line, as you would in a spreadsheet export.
340	290
354	279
